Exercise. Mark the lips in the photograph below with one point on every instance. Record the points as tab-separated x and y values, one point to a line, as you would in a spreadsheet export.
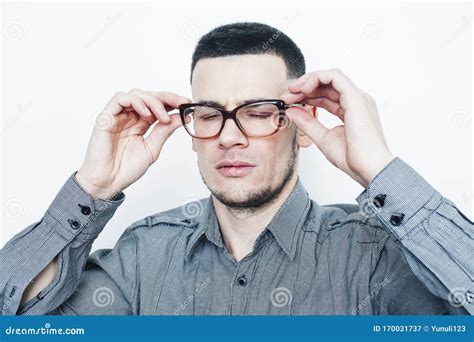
234	168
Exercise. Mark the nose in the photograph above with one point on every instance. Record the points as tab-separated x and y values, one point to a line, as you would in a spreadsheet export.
231	135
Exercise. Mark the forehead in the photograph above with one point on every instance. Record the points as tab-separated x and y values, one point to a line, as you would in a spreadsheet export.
231	80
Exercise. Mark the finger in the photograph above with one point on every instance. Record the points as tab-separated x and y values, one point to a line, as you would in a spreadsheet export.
122	101
170	100
160	133
153	104
294	86
327	91
308	124
331	106
290	98
339	81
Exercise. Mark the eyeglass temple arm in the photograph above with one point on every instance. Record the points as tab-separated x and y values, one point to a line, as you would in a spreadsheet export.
301	105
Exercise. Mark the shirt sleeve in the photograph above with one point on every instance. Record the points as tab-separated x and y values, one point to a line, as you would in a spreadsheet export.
108	284
435	237
67	230
396	290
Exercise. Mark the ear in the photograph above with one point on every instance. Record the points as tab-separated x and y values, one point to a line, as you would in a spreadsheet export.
302	139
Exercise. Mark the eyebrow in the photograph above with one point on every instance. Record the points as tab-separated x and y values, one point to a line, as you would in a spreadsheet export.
219	105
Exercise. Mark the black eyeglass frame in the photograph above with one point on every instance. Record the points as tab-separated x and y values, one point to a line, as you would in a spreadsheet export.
231	114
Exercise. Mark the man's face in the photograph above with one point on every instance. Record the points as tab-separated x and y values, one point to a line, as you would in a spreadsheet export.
230	81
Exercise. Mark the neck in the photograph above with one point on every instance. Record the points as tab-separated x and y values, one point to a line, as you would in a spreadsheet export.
240	229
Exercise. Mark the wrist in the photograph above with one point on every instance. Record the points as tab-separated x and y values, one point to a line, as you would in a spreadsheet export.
376	167
95	191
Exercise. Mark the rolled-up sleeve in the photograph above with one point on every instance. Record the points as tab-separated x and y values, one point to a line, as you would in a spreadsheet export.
436	238
67	230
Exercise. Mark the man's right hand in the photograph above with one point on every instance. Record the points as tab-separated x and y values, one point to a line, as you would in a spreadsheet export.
118	153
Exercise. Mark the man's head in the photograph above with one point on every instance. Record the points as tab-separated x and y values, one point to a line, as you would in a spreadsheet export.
233	64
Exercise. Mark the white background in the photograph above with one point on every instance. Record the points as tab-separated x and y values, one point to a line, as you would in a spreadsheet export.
63	62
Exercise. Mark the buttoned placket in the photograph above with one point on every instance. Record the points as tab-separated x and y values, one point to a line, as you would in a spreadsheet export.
243	276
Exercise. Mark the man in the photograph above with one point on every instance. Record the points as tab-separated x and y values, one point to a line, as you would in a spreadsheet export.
258	244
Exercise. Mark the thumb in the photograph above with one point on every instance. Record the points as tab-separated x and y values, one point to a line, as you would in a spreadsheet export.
308	124
159	134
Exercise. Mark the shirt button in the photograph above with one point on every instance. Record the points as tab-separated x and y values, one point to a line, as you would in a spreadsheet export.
379	200
85	209
397	219
74	224
242	280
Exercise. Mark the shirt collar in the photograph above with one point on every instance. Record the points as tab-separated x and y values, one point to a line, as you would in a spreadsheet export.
284	226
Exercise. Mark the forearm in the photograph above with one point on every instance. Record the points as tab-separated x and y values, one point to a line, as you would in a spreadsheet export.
41	281
30	276
435	238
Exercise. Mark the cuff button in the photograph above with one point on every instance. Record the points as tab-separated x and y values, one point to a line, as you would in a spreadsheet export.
74	224
86	210
379	200
397	219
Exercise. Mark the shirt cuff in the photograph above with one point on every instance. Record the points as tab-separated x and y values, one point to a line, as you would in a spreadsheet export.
399	197
74	212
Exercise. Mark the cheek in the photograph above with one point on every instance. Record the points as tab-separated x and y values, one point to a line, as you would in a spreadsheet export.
205	155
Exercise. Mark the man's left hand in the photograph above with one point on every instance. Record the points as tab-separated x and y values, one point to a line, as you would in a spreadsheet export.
357	147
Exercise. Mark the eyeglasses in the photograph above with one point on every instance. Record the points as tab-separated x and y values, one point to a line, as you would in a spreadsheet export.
260	118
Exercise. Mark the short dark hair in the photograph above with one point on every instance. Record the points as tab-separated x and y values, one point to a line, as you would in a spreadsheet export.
250	38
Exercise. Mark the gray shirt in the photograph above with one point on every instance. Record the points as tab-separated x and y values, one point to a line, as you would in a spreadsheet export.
404	249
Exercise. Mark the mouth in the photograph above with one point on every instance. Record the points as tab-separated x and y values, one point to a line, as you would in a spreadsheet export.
234	168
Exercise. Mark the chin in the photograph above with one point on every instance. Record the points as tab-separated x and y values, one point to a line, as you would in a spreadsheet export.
236	187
